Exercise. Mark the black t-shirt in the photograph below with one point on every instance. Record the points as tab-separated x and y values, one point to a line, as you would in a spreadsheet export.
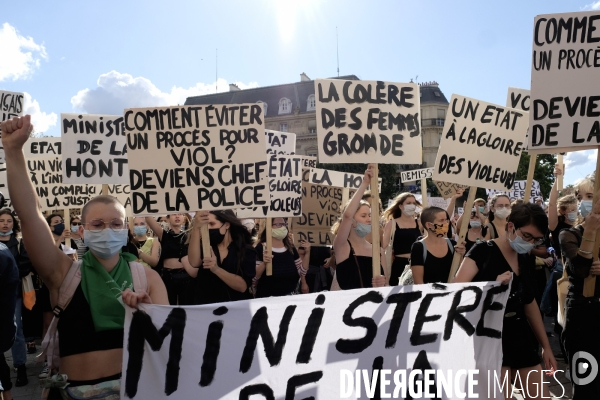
285	273
434	269
556	233
172	246
491	263
211	289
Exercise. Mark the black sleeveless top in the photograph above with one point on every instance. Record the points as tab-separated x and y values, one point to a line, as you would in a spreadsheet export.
556	233
405	237
352	276
172	245
76	332
471	243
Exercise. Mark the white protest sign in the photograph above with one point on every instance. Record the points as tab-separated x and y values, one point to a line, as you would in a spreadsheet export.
460	210
11	105
335	178
518	191
309	162
519	99
122	193
280	142
368	122
196	158
44	162
94	149
439	202
565	89
285	187
416	174
316	345
448	190
481	144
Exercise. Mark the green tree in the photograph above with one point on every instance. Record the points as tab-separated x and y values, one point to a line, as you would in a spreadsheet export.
544	169
387	172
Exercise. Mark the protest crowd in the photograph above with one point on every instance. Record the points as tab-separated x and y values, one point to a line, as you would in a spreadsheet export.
66	272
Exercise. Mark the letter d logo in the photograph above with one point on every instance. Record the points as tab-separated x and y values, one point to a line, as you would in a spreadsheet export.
585	368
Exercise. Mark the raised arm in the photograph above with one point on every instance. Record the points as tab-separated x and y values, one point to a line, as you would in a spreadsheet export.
553	200
155	226
450	208
50	262
194	247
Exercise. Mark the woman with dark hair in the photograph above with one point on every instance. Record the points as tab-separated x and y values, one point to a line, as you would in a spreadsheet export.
431	257
353	254
9	229
288	267
580	334
226	273
499	211
503	259
76	237
173	243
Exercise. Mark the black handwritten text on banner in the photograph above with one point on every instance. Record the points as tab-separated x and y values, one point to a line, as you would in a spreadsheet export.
280	142
197	158
519	99
299	346
368	121
416	174
481	144
94	149
565	89
11	105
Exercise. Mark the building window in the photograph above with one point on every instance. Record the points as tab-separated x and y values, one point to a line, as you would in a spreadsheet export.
283	127
437	94
265	106
312	153
311	103
312	130
285	106
441	113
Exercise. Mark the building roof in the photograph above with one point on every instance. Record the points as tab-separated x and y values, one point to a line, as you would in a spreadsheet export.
297	92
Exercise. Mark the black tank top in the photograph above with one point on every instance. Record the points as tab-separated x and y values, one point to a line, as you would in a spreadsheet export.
352	276
405	237
559	227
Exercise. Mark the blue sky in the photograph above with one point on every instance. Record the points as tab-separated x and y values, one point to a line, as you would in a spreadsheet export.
102	56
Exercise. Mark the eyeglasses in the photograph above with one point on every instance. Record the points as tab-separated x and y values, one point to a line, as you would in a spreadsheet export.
279	224
531	239
97	225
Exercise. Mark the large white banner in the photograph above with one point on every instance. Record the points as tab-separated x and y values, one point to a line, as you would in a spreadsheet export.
94	149
318	345
481	144
565	84
368	122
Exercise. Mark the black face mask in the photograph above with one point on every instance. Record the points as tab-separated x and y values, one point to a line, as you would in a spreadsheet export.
59	229
215	235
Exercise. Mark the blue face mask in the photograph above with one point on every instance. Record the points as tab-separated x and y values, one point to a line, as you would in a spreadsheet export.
105	243
74	229
7	233
58	229
362	230
520	245
585	207
572	216
481	209
140	230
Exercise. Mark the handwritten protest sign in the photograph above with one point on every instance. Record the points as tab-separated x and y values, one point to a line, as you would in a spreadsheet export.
94	149
416	174
317	345
565	104
434	201
44	162
519	99
123	194
368	121
321	207
335	178
518	191
309	162
197	158
11	105
481	144
285	187
280	142
447	190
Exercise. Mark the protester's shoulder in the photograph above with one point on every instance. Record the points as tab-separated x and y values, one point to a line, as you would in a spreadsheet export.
481	249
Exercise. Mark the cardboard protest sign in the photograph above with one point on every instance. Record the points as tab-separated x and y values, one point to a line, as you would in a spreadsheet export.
196	158
285	187
434	201
481	144
11	105
309	162
320	345
94	149
518	191
416	174
368	121
335	178
519	99
565	101
447	190
280	142
123	194
44	162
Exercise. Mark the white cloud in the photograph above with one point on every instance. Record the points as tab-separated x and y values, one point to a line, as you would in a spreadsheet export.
592	6
42	121
579	158
117	91
20	54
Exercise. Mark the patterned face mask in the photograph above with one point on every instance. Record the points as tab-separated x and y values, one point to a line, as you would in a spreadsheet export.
440	230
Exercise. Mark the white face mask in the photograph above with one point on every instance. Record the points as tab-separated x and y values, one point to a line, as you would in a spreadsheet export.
410	209
502	213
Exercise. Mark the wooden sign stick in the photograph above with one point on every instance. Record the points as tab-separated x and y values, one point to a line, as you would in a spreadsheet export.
464	230
67	221
589	283
424	200
345	196
559	183
375	221
529	181
205	237
269	233
104	189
